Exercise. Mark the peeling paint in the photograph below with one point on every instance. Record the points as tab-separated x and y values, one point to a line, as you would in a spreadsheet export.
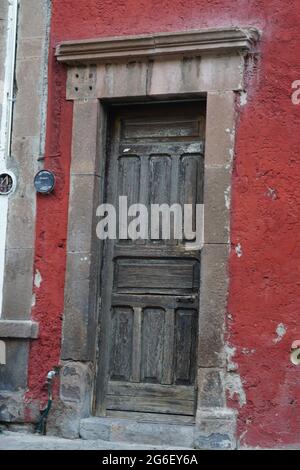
238	250
33	300
280	331
243	98
230	353
247	351
234	387
271	193
37	279
227	197
243	435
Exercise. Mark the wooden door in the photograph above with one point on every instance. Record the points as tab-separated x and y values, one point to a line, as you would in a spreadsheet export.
149	314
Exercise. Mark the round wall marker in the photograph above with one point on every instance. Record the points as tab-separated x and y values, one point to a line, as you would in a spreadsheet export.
7	183
44	182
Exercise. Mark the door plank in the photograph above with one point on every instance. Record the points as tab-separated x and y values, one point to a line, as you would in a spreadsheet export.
181	392
183	420
169	148
186	334
168	363
139	129
152	404
137	344
147	397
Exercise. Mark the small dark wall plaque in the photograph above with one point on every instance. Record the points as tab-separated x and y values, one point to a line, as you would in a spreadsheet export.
6	184
44	182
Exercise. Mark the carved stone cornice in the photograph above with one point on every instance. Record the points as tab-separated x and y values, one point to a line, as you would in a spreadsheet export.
187	43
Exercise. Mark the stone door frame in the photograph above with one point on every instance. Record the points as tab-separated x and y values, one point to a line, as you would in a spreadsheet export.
207	63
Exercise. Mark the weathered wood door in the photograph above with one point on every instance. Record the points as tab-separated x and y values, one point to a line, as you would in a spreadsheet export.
148	341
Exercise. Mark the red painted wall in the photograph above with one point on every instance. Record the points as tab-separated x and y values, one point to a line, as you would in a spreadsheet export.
264	281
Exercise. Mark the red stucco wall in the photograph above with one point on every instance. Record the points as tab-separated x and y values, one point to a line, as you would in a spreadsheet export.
264	281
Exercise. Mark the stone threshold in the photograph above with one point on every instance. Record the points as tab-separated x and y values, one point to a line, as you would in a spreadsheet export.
137	432
18	441
213	428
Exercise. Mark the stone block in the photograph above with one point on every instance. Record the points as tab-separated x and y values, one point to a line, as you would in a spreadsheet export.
79	322
30	48
84	199
217	193
219	140
11	406
211	388
13	410
29	28
215	429
3	13
222	72
18	329
213	298
64	420
80	313
76	380
13	374
22	203
21	428
81	83
124	430
17	296
85	159
194	75
28	98
82	275
122	79
81	266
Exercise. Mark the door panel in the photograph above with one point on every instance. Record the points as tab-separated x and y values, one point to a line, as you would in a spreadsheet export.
121	344
153	326
150	287
185	333
129	171
159	275
160	179
150	398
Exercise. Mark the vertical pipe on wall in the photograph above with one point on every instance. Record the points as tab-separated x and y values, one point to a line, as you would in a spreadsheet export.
6	124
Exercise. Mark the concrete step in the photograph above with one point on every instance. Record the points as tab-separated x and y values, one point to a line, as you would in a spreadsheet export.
18	441
137	432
